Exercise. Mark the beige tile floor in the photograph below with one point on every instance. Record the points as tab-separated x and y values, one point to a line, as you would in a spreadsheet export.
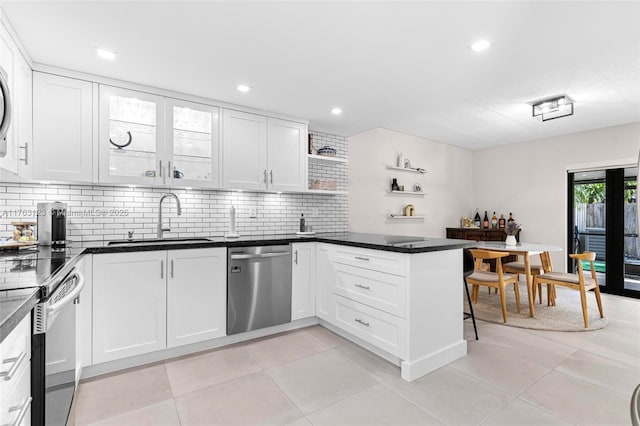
511	376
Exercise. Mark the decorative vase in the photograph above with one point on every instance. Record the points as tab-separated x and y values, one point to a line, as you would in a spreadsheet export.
511	240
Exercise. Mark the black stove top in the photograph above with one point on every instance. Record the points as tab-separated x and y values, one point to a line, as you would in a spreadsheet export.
28	269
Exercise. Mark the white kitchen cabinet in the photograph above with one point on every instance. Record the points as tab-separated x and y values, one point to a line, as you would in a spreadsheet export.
84	319
131	138
287	155
196	295
192	144
15	389
62	128
325	280
303	279
18	73
153	140
148	301
261	153
244	150
129	304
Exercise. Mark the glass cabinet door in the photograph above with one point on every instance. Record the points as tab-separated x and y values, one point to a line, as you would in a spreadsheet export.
131	145
193	136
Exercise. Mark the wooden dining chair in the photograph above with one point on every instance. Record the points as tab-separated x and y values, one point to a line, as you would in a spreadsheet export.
498	280
518	268
577	281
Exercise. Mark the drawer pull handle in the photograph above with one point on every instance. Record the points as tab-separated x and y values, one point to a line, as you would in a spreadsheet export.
362	258
22	412
366	287
16	363
362	322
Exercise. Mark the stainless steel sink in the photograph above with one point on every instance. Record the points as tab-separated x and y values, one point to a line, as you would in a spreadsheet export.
154	241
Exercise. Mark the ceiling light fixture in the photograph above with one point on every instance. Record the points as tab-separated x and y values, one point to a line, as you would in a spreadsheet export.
243	88
336	111
106	54
480	45
551	108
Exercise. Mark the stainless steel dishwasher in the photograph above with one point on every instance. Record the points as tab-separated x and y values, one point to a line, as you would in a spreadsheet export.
258	287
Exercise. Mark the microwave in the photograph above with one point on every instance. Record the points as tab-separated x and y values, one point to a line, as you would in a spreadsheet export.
5	111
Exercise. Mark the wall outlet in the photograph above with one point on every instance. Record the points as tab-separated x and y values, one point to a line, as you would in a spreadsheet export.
315	212
253	211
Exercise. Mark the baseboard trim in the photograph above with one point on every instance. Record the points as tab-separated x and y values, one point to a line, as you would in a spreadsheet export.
92	371
412	370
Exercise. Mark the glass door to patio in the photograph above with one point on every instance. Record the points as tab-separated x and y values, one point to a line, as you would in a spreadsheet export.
603	219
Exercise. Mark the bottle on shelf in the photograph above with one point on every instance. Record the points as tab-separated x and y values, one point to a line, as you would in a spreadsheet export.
502	221
476	219
494	221
485	221
394	185
511	219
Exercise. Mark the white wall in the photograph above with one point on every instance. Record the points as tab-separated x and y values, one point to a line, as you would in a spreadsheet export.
447	183
530	178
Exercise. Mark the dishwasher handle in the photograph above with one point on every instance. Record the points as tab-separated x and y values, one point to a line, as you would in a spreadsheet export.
260	256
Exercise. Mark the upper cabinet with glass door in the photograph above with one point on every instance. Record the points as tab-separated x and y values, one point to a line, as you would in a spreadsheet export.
192	142
131	137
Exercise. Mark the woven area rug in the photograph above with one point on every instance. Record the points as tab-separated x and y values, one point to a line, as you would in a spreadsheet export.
565	316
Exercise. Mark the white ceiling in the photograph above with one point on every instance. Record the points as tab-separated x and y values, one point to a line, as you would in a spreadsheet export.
405	66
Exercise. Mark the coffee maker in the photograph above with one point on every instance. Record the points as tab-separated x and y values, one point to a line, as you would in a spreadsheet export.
52	224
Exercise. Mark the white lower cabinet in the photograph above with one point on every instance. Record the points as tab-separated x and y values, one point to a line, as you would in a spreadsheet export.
15	375
405	307
84	316
196	295
325	280
148	301
303	281
130	304
371	325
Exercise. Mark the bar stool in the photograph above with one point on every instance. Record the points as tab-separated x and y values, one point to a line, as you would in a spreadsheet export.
467	269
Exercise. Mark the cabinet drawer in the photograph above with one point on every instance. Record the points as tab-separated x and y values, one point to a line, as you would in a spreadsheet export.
15	353
376	260
17	400
376	289
382	330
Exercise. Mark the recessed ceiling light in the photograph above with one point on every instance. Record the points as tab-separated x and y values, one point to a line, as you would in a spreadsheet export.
106	54
480	45
243	88
336	111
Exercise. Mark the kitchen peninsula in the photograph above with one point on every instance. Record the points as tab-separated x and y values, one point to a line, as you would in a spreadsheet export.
400	297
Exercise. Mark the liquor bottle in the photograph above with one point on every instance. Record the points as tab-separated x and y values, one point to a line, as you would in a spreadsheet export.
502	221
510	217
476	219
485	221
494	221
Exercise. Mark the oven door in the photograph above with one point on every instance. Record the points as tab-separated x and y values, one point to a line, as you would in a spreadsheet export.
55	339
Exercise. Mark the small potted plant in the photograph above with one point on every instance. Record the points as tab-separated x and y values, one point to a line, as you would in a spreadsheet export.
511	229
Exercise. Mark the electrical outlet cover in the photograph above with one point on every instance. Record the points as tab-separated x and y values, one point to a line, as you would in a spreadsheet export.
253	211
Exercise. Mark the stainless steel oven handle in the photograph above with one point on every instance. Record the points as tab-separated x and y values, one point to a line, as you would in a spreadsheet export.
258	256
53	309
16	363
23	411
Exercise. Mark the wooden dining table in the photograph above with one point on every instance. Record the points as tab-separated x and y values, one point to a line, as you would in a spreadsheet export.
521	249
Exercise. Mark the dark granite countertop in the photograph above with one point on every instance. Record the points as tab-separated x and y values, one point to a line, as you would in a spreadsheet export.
395	243
14	306
33	269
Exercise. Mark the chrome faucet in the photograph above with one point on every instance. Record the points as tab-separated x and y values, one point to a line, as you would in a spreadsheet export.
161	229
